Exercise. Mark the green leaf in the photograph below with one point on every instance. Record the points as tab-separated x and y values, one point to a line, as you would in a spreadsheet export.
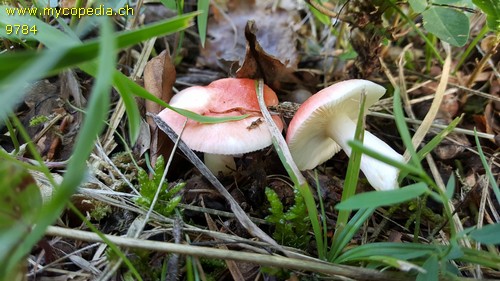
487	234
170	4
353	168
203	6
21	203
447	2
276	206
394	262
403	130
448	24
131	108
167	199
292	227
205	119
405	251
46	33
324	19
87	51
450	187
487	168
431	266
374	199
94	122
343	238
455	251
13	83
404	167
408	251
306	193
492	10
418	5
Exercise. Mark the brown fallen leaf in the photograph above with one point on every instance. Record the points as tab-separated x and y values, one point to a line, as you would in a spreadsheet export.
159	78
259	64
226	42
41	99
56	141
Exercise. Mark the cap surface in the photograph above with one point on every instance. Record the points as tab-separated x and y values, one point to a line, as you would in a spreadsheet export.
223	98
306	135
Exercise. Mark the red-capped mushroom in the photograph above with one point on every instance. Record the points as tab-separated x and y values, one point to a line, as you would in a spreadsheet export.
220	141
324	124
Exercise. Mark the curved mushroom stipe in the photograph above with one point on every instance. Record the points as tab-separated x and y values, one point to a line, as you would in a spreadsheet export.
327	121
219	163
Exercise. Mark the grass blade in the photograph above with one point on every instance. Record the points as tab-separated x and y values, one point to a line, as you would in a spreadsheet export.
96	114
375	199
487	234
403	129
14	83
76	54
352	175
358	146
433	143
487	168
345	236
203	6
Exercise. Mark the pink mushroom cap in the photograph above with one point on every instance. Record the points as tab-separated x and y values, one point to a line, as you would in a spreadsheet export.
309	143
223	98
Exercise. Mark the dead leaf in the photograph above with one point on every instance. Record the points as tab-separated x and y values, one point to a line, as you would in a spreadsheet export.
226	37
159	78
259	64
452	147
41	99
143	143
56	141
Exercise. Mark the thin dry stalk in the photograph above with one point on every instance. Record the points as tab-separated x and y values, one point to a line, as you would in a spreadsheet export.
235	207
260	259
423	129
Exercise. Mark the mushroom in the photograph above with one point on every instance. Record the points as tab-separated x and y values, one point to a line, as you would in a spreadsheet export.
324	124
220	141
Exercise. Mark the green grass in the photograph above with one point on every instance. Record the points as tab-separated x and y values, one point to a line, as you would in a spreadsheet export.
62	50
97	57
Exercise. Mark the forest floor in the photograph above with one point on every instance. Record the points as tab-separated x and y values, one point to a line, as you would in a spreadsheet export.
164	216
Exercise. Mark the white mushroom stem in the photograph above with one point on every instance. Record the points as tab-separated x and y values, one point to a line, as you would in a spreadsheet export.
380	175
220	163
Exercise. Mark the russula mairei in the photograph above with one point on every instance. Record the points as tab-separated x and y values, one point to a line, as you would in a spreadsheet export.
324	124
223	98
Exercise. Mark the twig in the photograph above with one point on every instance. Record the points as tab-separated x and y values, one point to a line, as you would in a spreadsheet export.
434	125
278	137
238	212
356	273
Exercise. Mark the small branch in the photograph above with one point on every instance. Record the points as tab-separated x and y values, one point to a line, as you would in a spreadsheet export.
235	207
356	273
